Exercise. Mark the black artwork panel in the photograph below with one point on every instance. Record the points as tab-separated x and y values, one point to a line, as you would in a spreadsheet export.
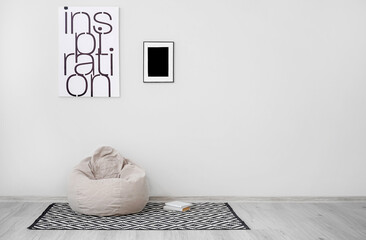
158	62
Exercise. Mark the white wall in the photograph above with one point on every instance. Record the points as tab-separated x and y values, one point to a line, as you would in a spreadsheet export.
269	99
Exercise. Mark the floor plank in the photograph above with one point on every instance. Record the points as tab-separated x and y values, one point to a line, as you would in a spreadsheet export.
267	220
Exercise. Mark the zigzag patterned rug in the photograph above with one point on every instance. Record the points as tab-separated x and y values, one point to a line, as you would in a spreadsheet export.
202	216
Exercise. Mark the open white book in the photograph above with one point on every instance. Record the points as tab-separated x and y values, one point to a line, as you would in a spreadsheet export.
169	208
177	206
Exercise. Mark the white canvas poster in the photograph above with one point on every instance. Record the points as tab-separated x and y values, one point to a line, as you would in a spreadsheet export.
88	52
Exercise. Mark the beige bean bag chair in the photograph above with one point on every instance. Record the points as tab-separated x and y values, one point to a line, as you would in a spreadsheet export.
107	184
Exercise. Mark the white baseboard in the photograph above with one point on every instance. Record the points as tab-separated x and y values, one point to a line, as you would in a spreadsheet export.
33	199
203	199
259	199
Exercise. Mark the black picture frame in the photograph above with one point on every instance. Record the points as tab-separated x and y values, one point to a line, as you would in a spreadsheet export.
158	62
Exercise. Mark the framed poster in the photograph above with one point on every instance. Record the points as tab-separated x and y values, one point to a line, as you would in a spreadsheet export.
158	62
88	52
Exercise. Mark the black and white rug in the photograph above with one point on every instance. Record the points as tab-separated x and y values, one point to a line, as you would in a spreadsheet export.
202	216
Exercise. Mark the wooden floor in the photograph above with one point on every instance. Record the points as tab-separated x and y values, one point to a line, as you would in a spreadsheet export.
267	220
